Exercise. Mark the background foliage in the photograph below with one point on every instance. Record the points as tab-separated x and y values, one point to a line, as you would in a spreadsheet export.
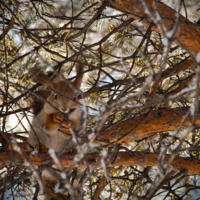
130	71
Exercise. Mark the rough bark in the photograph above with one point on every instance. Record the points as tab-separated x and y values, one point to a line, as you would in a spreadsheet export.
148	124
188	35
122	159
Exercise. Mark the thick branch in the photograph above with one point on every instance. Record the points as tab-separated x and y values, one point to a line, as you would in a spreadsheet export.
123	158
148	124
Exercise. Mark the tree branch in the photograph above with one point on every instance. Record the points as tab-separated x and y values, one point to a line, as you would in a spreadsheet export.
189	33
123	159
148	124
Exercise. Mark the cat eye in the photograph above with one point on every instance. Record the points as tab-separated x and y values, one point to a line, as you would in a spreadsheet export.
55	96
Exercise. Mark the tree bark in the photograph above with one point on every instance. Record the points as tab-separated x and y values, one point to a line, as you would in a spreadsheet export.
147	125
188	35
99	188
122	159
